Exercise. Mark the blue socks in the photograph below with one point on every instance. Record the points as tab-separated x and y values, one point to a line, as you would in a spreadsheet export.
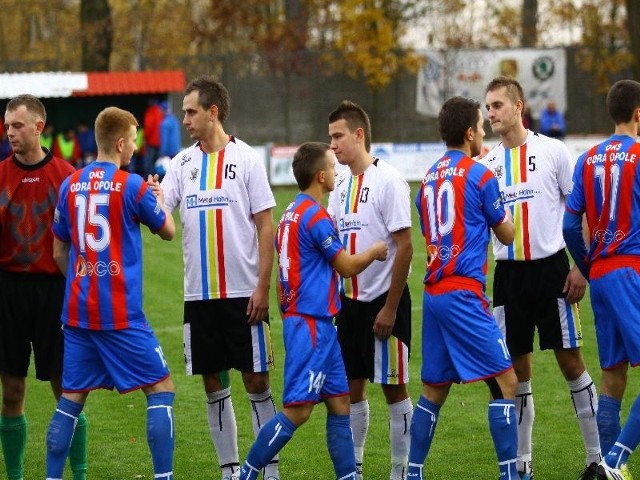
273	436
628	439
504	431
502	424
423	426
340	445
160	433
608	418
59	436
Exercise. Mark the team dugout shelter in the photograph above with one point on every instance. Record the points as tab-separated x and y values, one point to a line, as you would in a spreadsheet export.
71	97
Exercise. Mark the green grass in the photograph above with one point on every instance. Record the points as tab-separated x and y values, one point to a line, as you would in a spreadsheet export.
462	447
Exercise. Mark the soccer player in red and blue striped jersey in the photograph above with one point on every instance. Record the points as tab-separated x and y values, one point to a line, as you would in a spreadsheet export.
606	189
107	340
458	201
309	255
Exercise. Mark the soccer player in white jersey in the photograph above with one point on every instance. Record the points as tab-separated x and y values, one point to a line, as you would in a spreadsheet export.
371	202
225	204
534	287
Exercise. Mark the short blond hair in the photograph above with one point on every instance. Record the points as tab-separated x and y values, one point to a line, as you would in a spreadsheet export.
112	124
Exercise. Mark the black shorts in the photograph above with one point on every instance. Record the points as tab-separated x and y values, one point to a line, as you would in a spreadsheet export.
217	337
30	309
384	362
528	295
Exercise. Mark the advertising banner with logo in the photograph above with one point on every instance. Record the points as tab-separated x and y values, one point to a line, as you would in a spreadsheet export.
411	159
542	74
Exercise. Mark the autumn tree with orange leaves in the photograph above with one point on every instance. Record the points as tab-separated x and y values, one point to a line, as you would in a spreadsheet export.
363	38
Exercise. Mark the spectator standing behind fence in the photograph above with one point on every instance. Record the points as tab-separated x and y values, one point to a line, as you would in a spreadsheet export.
87	141
225	201
170	142
534	287
46	137
151	127
31	285
67	147
527	119
107	340
552	121
606	191
5	145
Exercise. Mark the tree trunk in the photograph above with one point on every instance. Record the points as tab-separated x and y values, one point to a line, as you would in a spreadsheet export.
97	35
633	25
529	37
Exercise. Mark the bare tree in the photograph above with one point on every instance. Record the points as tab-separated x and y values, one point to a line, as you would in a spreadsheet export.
529	38
97	34
633	26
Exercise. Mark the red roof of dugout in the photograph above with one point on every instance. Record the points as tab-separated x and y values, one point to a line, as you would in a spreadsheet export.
132	83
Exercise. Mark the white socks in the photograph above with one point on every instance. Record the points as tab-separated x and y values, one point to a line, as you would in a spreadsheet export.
400	415
359	417
525	413
222	427
585	402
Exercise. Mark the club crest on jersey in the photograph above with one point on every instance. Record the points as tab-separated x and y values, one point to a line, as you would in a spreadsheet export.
194	174
499	172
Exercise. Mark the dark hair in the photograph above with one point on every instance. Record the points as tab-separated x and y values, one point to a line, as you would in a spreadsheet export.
32	104
210	92
622	100
355	117
307	161
514	89
457	115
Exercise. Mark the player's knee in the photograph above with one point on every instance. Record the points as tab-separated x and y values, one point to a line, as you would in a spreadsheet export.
13	396
255	382
494	388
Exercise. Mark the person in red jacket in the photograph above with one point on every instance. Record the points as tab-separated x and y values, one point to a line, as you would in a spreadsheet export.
151	121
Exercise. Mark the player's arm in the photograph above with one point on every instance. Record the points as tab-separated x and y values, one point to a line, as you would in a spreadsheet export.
575	284
572	230
168	230
259	300
505	231
386	318
349	265
279	292
61	254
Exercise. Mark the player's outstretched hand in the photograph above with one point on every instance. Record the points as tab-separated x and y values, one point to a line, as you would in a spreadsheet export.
380	250
154	185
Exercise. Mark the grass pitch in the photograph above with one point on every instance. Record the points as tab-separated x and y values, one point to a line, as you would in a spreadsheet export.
462	447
